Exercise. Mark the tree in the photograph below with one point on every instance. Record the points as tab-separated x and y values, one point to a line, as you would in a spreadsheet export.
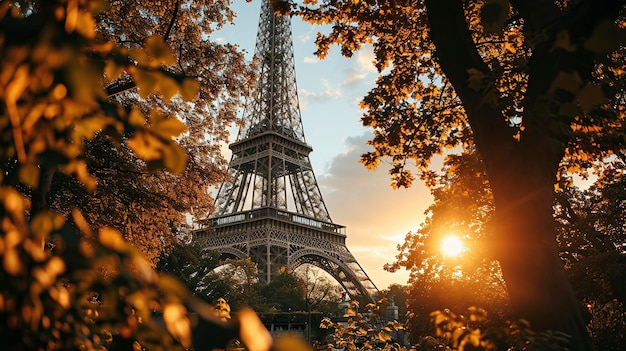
592	228
239	279
148	205
323	293
194	266
363	331
398	294
462	206
65	285
286	292
537	86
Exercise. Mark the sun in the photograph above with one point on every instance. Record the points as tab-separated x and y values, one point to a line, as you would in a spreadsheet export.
452	246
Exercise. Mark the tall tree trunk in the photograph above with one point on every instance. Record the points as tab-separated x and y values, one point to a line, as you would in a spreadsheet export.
527	250
522	175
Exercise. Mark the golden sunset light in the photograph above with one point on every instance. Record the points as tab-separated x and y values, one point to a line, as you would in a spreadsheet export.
452	246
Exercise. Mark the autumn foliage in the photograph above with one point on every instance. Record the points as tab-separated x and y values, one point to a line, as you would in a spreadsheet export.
65	284
536	86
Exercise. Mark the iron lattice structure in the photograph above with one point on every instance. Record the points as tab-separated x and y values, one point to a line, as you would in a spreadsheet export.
271	209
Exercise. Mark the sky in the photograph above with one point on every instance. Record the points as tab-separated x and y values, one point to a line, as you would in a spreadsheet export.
377	218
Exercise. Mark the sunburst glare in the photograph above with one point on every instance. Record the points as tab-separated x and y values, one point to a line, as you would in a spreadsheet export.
452	246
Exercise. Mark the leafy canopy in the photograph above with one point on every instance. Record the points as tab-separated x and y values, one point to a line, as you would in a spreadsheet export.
148	204
63	284
416	113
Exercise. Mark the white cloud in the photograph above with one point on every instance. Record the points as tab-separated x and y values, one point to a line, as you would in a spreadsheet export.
365	59
354	78
304	37
376	216
311	59
329	92
356	74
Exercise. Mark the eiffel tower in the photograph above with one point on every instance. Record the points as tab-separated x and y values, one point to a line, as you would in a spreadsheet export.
271	209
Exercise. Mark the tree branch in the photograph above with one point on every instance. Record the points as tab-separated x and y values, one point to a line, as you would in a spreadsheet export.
457	54
167	33
119	87
537	14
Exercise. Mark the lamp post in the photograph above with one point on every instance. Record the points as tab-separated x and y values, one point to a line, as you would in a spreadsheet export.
289	320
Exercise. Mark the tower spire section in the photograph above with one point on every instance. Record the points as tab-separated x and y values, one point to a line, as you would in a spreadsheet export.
270	166
271	209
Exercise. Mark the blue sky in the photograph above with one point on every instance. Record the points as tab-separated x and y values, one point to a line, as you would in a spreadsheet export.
377	217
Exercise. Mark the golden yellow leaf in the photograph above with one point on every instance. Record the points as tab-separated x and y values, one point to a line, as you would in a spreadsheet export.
71	15
81	222
189	89
88	127
145	146
173	286
136	118
349	313
61	296
29	175
14	202
86	25
16	87
159	50
146	82
139	55
475	337
290	342
177	323
253	333
112	239
144	268
11	262
45	222
383	336
112	70
168	87
55	266
169	127
79	169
